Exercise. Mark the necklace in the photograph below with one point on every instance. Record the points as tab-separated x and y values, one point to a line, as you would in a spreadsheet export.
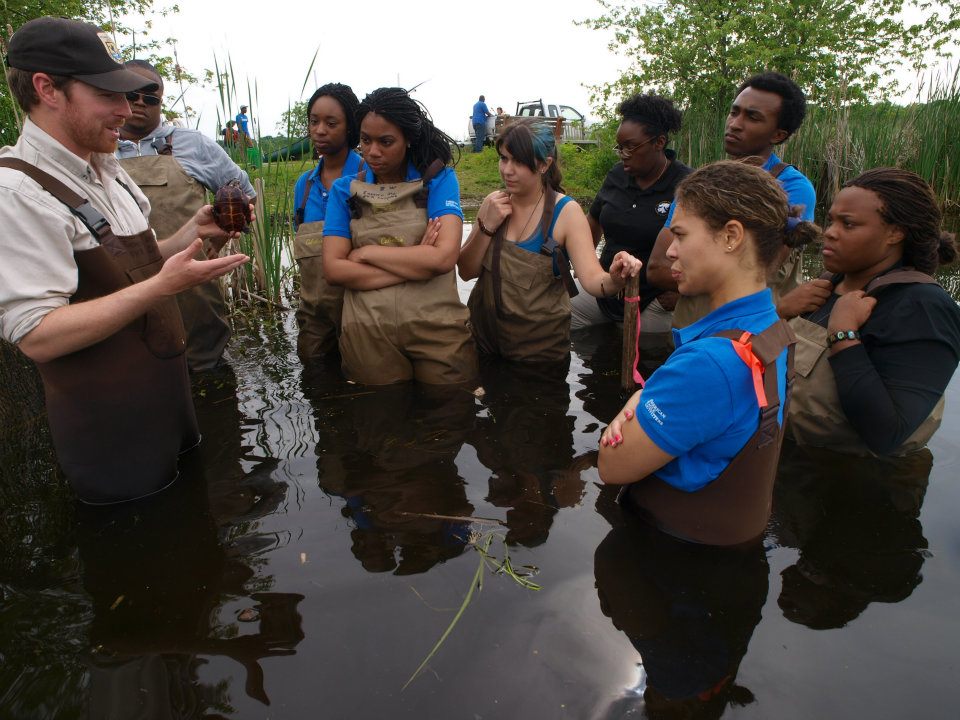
663	169
523	237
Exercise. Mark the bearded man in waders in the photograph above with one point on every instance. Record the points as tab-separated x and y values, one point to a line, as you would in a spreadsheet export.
86	291
766	111
174	167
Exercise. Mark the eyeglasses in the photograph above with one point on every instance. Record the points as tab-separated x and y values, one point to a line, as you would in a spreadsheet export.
625	151
147	99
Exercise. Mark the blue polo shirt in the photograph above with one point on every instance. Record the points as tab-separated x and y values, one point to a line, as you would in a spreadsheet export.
700	406
443	198
316	207
480	112
795	184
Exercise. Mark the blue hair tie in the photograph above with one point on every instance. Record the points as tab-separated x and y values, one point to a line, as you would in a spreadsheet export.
792	223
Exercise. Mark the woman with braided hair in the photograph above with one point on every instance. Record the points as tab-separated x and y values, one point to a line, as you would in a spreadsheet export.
392	238
520	249
879	339
334	132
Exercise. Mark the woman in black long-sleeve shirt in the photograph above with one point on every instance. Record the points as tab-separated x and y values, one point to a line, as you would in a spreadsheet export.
879	339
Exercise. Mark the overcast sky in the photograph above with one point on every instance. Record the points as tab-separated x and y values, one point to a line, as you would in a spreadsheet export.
508	51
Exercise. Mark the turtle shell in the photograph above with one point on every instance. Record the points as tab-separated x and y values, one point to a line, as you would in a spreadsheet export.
231	207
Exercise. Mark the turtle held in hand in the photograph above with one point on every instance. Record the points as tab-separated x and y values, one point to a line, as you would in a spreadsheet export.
231	208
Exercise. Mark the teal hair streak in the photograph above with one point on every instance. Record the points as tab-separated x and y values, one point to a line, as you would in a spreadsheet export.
544	143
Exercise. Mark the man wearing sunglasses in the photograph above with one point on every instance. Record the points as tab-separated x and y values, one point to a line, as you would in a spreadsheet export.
175	167
86	290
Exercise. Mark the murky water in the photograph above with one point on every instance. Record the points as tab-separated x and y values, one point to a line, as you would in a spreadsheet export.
325	536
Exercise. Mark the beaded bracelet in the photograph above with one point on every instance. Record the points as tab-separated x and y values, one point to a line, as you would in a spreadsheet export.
842	336
483	229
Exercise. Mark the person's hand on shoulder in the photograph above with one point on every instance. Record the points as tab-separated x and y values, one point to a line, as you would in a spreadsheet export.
804	298
494	210
851	311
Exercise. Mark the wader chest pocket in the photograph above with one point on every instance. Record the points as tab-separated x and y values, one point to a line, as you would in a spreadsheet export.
163	331
308	242
807	353
157	177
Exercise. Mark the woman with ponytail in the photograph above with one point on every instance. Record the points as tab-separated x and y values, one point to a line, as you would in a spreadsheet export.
521	248
879	339
392	238
698	446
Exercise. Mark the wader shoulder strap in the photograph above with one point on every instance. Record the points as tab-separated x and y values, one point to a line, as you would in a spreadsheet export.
551	248
495	252
903	276
433	169
163	145
95	222
777	169
301	210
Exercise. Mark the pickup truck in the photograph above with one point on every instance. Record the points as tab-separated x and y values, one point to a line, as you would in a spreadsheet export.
570	122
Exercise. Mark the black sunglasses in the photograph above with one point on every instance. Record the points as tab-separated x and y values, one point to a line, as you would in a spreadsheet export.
147	99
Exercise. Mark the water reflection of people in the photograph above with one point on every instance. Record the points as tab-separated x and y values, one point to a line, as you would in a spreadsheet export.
698	445
158	574
689	610
879	340
526	439
393	464
856	524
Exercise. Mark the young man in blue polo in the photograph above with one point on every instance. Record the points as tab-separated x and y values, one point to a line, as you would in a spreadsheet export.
768	109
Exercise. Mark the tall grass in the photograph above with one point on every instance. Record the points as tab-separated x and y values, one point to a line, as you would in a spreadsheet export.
269	244
839	140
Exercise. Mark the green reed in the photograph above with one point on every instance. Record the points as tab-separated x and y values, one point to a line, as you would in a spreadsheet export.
839	140
482	542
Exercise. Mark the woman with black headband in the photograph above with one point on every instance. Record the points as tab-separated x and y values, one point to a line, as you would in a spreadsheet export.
334	132
632	206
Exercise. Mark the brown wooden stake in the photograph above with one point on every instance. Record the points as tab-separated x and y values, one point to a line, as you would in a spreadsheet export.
630	310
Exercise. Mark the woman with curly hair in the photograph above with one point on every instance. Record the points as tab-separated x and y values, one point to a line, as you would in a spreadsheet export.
633	205
392	239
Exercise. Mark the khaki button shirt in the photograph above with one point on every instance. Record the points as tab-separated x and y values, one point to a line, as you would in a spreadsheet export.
39	233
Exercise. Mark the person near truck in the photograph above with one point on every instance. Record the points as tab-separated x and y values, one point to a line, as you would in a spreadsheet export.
768	109
479	119
86	291
175	167
632	206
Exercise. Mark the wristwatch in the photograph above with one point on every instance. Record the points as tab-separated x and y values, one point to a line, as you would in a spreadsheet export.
842	335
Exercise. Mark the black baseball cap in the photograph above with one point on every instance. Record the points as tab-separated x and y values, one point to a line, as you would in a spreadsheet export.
75	49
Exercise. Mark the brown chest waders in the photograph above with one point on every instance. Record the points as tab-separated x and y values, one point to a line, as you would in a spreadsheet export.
734	508
816	415
417	329
120	411
174	198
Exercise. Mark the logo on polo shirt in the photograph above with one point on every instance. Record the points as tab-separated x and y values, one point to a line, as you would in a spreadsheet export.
663	208
111	47
655	412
